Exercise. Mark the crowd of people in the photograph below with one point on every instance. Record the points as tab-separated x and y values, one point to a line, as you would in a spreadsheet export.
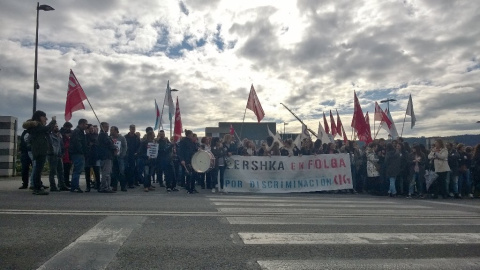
109	160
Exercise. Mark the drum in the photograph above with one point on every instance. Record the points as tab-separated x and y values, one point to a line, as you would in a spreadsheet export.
203	161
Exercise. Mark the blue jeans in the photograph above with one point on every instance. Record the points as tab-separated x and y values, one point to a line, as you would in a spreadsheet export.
78	167
452	182
392	189
417	181
39	163
148	171
464	182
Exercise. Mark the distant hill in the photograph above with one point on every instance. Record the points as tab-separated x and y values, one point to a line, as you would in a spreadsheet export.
469	140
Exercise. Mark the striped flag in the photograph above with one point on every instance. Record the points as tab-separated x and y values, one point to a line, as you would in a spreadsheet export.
254	104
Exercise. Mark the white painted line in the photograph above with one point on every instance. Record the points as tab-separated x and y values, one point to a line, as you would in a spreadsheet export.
359	238
303	201
344	211
96	248
323	205
434	263
351	221
454	204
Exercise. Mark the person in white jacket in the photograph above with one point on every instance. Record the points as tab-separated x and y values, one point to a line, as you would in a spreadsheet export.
439	155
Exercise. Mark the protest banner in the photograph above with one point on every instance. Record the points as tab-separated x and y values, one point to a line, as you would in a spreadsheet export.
279	174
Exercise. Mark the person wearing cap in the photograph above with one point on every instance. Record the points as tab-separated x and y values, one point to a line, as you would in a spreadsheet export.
39	139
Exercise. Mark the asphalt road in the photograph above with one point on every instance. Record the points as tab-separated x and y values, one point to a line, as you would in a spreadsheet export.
159	230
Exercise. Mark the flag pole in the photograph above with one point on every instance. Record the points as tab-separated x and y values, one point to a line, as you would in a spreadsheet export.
378	130
94	112
403	123
311	131
243	121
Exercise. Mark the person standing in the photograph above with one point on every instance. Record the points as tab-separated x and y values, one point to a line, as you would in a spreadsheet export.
119	159
55	160
417	161
66	132
148	157
25	158
164	162
186	150
91	158
77	150
38	129
219	151
133	143
393	166
163	158
439	155
106	151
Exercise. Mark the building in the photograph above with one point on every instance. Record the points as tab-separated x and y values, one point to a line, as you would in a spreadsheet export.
257	132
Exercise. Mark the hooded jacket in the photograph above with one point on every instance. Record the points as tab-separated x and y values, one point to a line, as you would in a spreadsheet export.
39	136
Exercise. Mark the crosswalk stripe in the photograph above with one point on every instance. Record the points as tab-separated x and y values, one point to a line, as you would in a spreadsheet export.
358	238
96	248
324	205
435	263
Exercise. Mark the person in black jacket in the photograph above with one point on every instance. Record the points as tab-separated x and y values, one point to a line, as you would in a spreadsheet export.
131	169
77	151
25	158
106	151
39	140
147	152
393	167
91	158
187	149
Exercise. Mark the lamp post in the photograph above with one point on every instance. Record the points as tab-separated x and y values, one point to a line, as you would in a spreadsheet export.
171	90
388	102
35	81
284	124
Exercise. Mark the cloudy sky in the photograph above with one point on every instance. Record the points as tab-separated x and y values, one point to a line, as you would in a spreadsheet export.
309	55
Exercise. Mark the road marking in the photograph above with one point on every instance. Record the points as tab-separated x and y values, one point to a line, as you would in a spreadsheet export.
96	248
434	263
295	200
454	204
474	221
358	238
327	211
322	205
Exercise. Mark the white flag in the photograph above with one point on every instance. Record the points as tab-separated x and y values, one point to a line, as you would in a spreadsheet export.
410	110
322	134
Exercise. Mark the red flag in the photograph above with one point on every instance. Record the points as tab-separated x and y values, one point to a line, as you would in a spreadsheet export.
358	122
339	125
333	126
177	130
254	104
232	131
75	97
380	115
325	124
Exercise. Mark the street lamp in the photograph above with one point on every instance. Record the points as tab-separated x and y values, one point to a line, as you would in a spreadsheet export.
35	81
388	102
284	123
172	90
